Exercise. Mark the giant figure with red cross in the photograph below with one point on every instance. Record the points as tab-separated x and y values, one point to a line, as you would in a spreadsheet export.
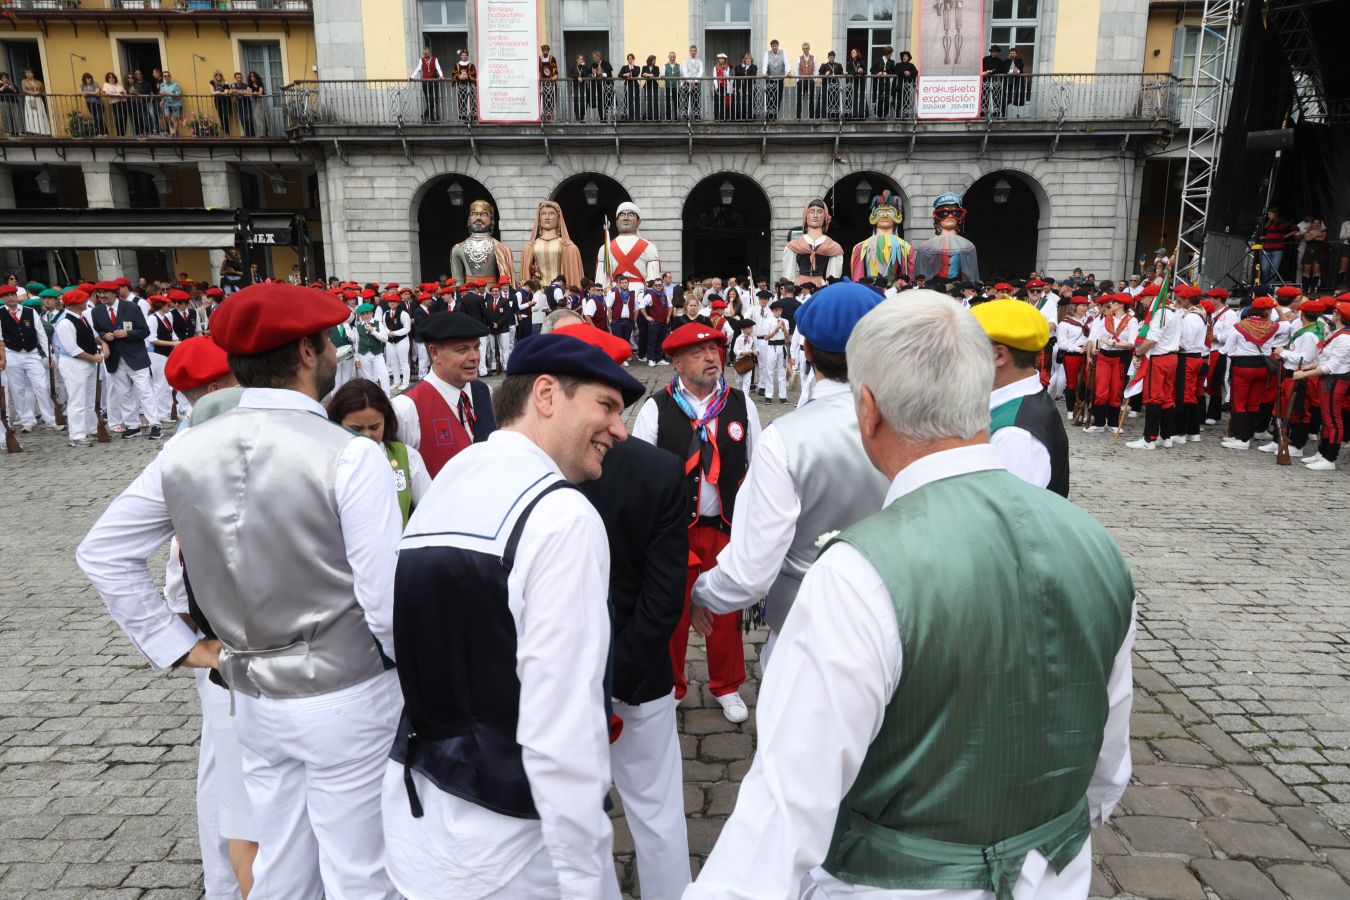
627	253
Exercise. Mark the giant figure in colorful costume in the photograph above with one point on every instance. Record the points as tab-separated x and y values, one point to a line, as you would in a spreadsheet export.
947	254
885	254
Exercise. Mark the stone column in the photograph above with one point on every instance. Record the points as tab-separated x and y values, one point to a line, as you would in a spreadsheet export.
10	260
220	190
105	187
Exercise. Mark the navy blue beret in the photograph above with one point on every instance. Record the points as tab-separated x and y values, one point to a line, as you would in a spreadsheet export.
561	354
827	319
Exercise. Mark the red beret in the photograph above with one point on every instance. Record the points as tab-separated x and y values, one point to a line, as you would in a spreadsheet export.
105	286
317	285
175	295
1151	290
367	294
613	346
1263	303
1125	299
424	296
1217	293
349	295
1035	283
157	299
427	286
1207	305
391	297
194	363
73	297
691	335
503	279
1187	291
7	289
1343	307
86	287
1342	298
122	282
450	281
391	285
1286	292
1003	286
1079	299
1316	307
407	289
448	289
718	304
263	317
214	292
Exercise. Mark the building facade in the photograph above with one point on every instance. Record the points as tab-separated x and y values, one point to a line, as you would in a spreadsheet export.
1058	170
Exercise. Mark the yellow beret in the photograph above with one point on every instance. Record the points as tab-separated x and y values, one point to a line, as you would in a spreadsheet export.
1013	322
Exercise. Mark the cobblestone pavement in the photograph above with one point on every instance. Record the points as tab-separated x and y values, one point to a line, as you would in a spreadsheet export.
1241	725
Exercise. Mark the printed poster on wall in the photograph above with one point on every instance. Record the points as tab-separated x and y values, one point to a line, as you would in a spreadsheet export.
951	46
508	69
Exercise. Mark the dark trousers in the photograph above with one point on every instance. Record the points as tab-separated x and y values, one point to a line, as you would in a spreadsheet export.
431	101
656	336
806	93
622	328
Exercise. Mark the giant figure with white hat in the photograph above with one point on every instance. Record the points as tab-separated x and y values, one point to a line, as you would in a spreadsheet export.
627	253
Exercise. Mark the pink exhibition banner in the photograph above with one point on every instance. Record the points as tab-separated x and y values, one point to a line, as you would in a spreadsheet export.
951	46
508	65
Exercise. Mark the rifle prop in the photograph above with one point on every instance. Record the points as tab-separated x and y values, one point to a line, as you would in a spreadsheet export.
1282	421
101	432
1087	388
173	405
56	403
12	444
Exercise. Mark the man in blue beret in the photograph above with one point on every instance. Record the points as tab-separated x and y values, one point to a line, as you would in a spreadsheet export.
497	779
809	476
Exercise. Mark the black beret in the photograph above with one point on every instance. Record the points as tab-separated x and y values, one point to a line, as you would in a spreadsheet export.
778	304
763	294
561	354
450	326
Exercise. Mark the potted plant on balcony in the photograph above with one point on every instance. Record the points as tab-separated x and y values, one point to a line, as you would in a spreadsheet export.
80	125
244	4
202	126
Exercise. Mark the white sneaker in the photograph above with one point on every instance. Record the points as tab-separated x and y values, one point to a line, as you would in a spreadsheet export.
1316	457
1093	429
1235	444
1262	435
1296	451
664	362
733	707
1211	421
625	363
1142	444
1167	443
1322	465
1269	448
651	364
1133	414
1194	439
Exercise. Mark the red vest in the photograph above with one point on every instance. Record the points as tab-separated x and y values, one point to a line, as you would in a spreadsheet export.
429	68
616	307
442	435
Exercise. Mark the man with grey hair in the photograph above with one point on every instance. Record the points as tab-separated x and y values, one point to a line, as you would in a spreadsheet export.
1007	740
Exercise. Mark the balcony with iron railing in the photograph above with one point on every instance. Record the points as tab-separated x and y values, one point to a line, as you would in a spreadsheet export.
101	9
733	107
99	118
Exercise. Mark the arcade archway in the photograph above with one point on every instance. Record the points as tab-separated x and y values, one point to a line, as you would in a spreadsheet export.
1003	218
443	221
727	226
587	199
850	203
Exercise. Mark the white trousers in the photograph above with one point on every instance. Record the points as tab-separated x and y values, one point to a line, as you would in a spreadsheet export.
372	367
649	773
743	381
346	371
159	386
314	768
78	375
485	346
423	360
26	380
505	342
109	399
776	371
135	397
762	349
396	359
217	873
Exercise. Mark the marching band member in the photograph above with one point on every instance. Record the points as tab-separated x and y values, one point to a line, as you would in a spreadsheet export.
776	338
1158	354
1333	369
1298	396
1222	320
1248	348
1191	353
1111	340
370	342
398	326
1071	336
27	360
81	353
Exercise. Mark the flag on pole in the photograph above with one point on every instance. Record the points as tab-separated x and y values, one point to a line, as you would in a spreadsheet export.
1141	365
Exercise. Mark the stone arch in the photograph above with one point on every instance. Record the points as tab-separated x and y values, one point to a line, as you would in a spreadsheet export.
721	238
850	201
1007	218
439	212
588	199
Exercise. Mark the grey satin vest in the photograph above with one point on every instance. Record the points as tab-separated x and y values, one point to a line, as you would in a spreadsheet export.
251	495
834	481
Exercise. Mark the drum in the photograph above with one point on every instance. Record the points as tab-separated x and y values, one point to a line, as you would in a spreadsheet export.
744	365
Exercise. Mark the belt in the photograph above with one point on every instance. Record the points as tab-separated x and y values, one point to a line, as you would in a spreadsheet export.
1248	362
1161	355
1116	354
1073	352
777	343
713	522
1196	355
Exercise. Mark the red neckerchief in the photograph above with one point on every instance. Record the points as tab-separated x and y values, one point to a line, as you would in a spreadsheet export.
1256	329
1115	332
1321	345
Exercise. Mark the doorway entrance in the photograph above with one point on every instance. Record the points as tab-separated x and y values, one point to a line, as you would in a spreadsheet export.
727	221
264	57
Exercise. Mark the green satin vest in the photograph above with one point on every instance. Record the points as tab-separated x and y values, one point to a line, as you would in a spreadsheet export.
1012	604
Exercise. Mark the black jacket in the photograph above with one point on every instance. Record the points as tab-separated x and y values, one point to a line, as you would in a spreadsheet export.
474	306
641	496
130	349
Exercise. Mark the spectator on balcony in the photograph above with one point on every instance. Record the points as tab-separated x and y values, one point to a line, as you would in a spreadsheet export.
11	106
137	91
832	87
651	95
806	82
629	72
257	105
1017	87
723	88
907	81
691	91
548	82
747	89
220	95
93	102
1315	255
171	104
775	69
231	271
243	103
993	67
428	71
855	67
117	101
602	85
35	119
466	78
154	106
1275	232
672	79
580	91
884	83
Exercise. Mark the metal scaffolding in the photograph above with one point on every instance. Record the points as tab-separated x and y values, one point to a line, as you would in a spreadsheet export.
1292	21
1209	85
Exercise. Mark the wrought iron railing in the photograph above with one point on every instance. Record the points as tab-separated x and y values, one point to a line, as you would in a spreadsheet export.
141	117
50	6
1144	98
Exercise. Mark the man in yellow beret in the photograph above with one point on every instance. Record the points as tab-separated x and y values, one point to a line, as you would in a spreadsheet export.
1025	428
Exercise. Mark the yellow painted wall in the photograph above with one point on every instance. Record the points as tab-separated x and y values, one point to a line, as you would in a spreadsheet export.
794	22
386	51
1076	31
1162	26
654	26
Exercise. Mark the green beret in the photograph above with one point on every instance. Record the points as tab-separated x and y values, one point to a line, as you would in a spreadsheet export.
34	287
365	308
51	292
32	302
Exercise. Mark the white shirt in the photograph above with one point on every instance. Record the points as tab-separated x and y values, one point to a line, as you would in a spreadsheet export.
1237	345
1165	331
65	334
1100	335
410	423
1301	351
400	318
417	68
645	427
557	593
114	554
1020	452
1334	358
767	507
745	345
1193	332
372	326
1069	335
839	662
1224	320
691	67
40	329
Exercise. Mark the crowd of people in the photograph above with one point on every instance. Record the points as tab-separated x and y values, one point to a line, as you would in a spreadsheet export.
1317	261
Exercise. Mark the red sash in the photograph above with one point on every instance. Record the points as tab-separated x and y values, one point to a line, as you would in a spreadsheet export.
627	263
442	435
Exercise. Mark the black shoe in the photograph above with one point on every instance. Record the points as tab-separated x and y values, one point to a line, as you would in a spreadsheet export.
156	433
131	432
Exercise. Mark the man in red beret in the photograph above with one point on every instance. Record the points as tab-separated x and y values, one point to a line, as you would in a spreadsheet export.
1191	353
1221	323
1298	396
1158	354
713	429
197	367
1249	347
81	352
119	320
289	526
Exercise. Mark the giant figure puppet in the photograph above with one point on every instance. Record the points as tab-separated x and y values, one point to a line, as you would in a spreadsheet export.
947	254
627	252
885	254
812	256
550	251
480	256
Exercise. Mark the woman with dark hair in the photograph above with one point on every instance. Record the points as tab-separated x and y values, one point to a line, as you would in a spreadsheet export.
255	89
361	407
93	101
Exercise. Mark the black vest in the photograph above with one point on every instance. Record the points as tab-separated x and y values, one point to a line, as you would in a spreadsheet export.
397	322
673	433
20	335
163	332
84	335
184	324
804	266
1039	415
457	666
